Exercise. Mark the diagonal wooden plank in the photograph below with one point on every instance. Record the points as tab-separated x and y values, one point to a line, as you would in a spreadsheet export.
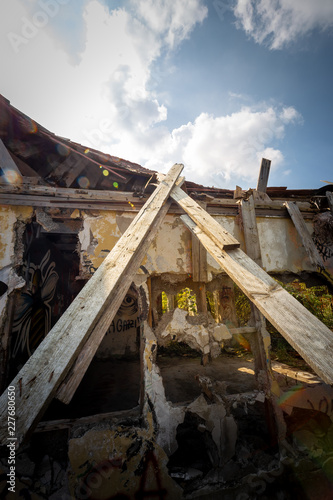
309	336
68	387
37	382
302	230
203	219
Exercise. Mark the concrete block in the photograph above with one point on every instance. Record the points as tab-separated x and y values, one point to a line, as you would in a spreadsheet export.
221	332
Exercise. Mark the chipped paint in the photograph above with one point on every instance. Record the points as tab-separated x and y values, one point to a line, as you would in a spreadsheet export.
97	238
8	217
170	249
76	214
125	462
281	246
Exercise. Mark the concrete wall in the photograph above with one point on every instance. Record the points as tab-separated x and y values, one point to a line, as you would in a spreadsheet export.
282	249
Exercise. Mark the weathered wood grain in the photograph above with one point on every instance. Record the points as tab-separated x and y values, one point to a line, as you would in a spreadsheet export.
251	230
203	219
39	379
68	387
263	175
309	336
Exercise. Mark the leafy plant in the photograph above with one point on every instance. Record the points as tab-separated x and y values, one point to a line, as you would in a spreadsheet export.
316	299
187	300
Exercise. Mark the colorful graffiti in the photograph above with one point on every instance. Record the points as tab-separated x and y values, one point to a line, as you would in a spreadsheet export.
32	320
33	308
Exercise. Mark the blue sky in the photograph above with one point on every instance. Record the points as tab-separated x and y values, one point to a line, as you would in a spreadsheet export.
216	85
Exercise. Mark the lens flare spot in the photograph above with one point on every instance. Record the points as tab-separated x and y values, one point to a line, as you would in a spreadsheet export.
100	166
131	204
87	150
106	173
62	150
31	126
115	185
83	182
11	177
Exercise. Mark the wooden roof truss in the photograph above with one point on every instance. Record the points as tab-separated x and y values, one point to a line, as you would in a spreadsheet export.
57	366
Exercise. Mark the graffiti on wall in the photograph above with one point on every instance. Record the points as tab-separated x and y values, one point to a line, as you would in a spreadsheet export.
32	317
127	315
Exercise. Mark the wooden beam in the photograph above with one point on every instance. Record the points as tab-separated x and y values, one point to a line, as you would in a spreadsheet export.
68	194
68	387
251	230
263	175
39	379
199	261
311	338
199	258
11	173
204	220
329	197
68	170
302	230
47	195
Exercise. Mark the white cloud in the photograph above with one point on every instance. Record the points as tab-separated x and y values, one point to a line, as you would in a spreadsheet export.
105	100
172	20
226	149
280	22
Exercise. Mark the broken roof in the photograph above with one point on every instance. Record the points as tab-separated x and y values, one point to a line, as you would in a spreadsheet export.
57	161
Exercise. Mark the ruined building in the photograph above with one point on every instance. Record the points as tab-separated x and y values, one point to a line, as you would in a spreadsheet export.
120	331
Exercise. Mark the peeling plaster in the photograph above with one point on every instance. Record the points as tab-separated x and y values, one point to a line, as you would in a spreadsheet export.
206	339
8	217
11	249
97	238
281	246
168	417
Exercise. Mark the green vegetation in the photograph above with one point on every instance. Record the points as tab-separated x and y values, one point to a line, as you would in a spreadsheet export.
316	299
186	299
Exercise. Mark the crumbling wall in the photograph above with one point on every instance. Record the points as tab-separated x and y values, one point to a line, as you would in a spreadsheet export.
200	332
218	444
281	247
12	224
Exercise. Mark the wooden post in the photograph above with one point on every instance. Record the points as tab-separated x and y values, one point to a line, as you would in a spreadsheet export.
39	379
263	175
199	257
201	298
302	230
262	339
309	336
251	230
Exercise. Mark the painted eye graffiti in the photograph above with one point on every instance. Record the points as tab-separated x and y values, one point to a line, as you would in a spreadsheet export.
129	306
